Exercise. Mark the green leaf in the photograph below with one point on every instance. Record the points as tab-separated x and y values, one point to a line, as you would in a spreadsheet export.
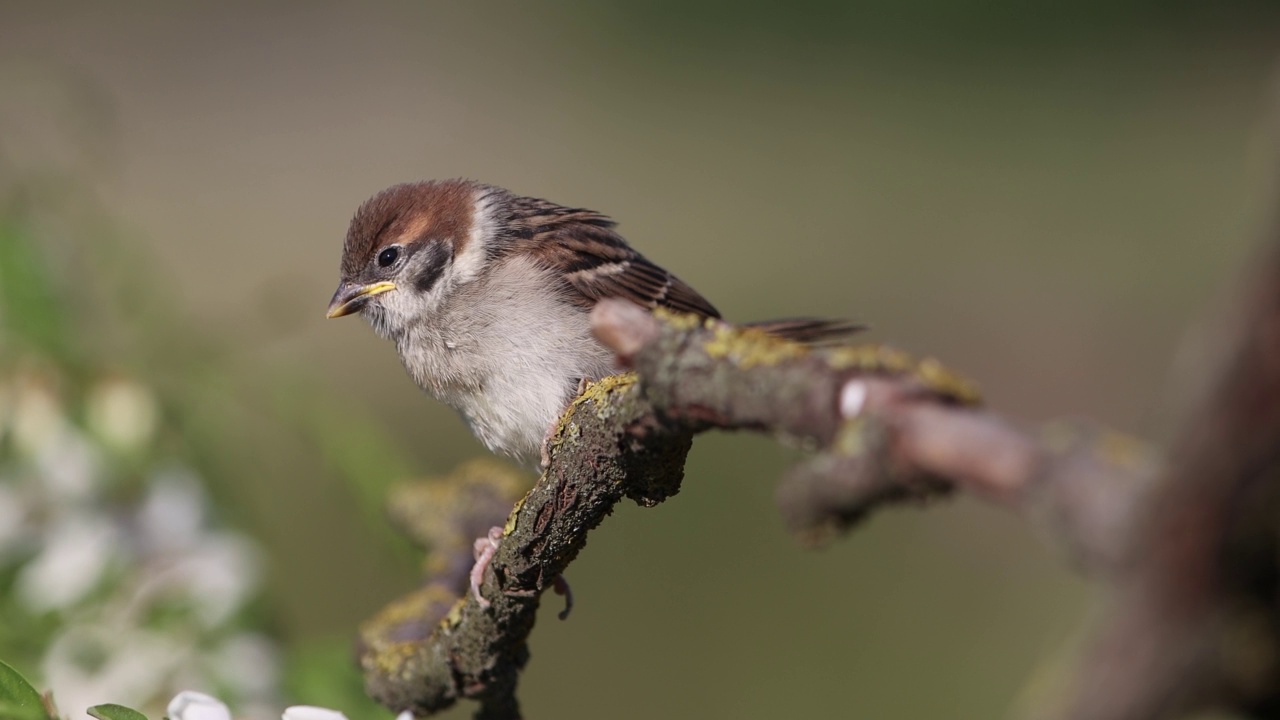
17	696
32	311
115	712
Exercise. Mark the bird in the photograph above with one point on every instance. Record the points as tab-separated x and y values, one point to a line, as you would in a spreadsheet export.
487	296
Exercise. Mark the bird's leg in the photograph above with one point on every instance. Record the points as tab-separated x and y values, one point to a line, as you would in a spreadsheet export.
485	548
544	452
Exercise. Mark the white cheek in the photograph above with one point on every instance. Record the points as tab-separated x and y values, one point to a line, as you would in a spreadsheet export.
398	306
387	314
468	263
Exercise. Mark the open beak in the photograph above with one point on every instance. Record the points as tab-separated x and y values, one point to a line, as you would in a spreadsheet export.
352	298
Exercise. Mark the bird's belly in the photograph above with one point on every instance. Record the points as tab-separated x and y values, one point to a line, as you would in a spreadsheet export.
510	370
513	418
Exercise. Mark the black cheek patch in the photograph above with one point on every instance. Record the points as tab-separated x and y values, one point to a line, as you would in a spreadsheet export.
437	257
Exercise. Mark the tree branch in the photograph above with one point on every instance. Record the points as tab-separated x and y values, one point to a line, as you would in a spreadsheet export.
882	428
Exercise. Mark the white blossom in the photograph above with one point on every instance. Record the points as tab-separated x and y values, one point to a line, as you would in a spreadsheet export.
191	705
91	665
218	575
70	467
13	515
310	712
63	546
76	552
172	516
249	664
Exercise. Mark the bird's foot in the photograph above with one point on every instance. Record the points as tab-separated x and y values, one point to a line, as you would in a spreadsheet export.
485	548
544	452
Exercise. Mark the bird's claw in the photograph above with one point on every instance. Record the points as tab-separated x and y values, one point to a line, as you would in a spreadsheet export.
544	452
485	548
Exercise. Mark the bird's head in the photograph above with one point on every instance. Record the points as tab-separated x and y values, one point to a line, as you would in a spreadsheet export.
409	247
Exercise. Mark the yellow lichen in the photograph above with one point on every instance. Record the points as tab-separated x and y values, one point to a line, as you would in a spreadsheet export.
454	617
391	658
850	440
406	610
883	359
749	347
514	518
943	380
680	321
1122	450
597	392
600	390
871	358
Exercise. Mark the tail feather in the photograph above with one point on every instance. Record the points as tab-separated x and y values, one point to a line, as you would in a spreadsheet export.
810	331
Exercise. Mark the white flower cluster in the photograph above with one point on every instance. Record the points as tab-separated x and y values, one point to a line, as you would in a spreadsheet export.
145	592
189	705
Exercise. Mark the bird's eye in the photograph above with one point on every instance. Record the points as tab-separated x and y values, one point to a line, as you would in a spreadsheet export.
388	257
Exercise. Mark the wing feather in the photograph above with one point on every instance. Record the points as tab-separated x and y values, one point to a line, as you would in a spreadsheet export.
597	263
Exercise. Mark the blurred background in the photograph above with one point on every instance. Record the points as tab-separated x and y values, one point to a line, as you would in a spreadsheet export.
1045	195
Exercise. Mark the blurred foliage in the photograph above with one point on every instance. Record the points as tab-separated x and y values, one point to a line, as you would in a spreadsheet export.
912	25
42	325
319	672
80	313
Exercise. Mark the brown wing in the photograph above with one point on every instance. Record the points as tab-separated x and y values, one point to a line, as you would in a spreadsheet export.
597	262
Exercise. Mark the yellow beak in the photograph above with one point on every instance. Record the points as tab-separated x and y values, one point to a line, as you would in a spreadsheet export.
352	298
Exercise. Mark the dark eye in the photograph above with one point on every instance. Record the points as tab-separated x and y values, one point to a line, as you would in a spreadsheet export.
387	257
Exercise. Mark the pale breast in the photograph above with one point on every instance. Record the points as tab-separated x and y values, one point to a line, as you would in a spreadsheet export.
508	354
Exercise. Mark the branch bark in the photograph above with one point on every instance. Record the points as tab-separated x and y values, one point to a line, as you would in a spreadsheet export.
881	426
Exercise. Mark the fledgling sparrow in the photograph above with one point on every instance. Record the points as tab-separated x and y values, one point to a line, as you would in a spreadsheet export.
487	294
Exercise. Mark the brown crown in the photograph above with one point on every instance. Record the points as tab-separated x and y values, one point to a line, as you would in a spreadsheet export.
407	214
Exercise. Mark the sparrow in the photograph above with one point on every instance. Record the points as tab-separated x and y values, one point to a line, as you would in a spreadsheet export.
486	295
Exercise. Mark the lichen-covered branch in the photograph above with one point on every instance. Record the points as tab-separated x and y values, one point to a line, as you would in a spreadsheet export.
882	427
419	656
